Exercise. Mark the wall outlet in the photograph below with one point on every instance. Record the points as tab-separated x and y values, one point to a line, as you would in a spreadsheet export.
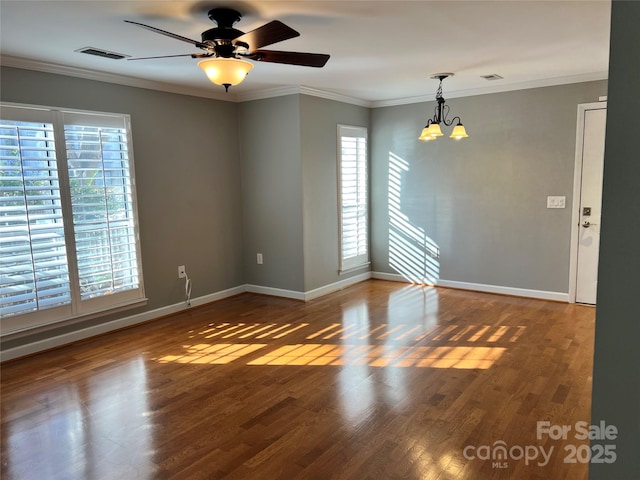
259	258
182	272
556	201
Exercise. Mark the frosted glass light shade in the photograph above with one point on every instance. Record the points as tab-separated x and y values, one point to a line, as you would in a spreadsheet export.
434	130
424	136
459	132
225	71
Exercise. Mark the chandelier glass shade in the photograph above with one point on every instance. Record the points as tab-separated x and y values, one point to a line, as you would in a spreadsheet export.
226	71
432	129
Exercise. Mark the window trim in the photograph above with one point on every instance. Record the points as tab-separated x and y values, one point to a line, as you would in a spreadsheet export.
348	265
77	309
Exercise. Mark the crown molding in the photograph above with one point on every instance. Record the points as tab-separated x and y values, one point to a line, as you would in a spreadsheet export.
26	64
267	93
291	90
335	96
544	82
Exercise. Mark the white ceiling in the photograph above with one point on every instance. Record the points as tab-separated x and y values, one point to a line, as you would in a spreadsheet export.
382	52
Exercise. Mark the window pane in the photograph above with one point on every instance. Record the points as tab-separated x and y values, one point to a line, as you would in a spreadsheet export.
102	206
353	197
68	234
35	273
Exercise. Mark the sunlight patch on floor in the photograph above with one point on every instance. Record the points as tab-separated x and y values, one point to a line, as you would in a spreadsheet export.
218	354
382	356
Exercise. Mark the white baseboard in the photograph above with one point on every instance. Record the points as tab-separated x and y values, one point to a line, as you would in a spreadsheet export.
333	287
81	334
392	277
516	292
480	287
309	294
275	292
213	297
59	340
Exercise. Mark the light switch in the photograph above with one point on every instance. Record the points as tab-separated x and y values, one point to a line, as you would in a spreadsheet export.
556	201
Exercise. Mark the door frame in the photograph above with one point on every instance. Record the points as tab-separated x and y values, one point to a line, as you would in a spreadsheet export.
577	190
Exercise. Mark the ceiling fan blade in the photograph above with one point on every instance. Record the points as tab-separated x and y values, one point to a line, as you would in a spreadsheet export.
317	60
269	33
192	55
169	34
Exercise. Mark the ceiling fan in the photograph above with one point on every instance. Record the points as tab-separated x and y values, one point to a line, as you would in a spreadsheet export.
225	47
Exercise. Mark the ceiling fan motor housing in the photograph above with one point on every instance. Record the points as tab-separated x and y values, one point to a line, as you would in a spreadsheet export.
224	17
221	37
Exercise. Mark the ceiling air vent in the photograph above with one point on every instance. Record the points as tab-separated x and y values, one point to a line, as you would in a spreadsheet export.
493	76
102	53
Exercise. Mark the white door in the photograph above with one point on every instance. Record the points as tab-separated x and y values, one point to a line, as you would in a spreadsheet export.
590	205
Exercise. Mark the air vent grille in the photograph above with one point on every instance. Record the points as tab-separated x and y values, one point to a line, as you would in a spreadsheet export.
493	76
102	53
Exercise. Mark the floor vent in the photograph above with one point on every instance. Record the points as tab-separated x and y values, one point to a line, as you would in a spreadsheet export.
102	53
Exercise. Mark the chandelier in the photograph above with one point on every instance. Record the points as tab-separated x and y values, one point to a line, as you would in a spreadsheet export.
432	129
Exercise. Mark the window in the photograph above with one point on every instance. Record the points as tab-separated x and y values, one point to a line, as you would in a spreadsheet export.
68	229
353	197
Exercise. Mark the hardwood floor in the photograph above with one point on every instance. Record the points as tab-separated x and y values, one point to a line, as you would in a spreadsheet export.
378	381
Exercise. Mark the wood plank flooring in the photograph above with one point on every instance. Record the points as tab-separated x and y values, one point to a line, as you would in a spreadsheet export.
378	381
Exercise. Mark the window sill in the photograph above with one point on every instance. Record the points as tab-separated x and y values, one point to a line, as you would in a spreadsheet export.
45	326
353	269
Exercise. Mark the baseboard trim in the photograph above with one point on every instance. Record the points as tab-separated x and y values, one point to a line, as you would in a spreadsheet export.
84	333
64	339
515	292
480	287
275	292
391	277
129	321
309	294
213	297
339	285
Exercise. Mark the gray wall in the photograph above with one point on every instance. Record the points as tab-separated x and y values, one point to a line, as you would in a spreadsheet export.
217	182
616	379
272	192
290	199
319	120
261	177
187	169
211	247
475	210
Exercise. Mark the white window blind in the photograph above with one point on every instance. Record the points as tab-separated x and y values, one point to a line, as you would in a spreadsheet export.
35	272
101	200
353	201
68	229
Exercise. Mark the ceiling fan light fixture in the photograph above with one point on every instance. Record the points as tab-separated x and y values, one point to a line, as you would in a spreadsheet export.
226	71
226	46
